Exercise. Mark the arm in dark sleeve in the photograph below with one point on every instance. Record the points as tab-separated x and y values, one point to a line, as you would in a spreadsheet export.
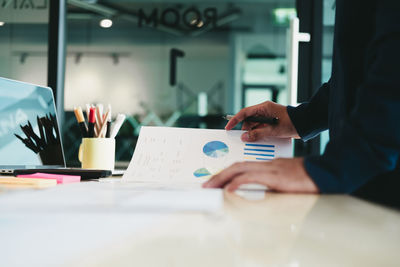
369	144
311	118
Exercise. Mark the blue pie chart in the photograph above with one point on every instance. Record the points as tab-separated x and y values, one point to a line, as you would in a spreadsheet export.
201	172
215	149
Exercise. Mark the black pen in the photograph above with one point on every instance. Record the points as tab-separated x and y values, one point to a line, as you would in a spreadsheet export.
108	118
267	120
108	132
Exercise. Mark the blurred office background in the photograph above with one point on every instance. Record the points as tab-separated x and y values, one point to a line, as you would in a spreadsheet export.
173	63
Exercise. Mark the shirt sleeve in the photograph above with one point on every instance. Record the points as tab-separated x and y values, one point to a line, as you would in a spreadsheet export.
369	142
311	118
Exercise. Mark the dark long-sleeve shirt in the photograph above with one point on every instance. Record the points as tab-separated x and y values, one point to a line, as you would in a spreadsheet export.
360	105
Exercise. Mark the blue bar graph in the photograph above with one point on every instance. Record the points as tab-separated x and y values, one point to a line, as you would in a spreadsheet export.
258	152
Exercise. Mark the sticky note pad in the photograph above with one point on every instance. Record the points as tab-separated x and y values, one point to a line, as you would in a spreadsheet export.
27	182
60	178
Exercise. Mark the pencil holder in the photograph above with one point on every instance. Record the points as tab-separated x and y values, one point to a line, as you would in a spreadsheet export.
97	153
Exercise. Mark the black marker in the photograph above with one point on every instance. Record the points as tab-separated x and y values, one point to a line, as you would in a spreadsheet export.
92	122
81	121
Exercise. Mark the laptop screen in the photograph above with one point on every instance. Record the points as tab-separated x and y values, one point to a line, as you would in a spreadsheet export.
29	133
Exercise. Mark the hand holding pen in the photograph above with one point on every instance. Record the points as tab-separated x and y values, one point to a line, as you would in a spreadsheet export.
264	120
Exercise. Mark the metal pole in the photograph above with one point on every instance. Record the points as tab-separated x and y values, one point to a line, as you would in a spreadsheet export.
56	54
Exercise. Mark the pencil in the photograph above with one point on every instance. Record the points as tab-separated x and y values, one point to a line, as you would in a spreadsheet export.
99	118
104	123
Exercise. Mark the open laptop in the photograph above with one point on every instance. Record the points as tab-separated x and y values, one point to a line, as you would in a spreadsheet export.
21	104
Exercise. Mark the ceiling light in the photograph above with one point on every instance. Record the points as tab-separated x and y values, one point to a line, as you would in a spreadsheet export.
2	23
282	16
106	23
194	21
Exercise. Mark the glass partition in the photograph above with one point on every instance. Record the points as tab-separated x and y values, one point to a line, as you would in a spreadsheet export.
173	63
23	40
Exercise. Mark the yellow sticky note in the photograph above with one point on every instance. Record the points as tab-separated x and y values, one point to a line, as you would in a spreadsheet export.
27	182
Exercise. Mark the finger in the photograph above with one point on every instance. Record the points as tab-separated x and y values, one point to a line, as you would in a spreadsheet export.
219	180
249	125
247	178
259	126
240	116
258	134
246	126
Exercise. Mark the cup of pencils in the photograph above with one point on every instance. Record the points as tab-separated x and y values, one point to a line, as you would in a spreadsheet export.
97	150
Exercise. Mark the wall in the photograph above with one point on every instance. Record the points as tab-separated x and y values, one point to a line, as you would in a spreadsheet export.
142	76
142	73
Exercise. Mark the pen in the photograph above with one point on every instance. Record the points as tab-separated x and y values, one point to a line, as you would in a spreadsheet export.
92	122
81	121
108	132
267	120
99	110
87	111
117	125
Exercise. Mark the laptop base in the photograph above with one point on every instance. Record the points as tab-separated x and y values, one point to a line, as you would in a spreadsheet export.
85	174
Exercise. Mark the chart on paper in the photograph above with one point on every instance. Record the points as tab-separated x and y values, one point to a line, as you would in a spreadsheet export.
258	152
215	149
183	155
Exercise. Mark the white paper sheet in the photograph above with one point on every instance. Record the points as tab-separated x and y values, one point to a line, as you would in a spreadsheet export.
179	156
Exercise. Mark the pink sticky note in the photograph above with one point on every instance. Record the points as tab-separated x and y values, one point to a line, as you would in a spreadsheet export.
61	178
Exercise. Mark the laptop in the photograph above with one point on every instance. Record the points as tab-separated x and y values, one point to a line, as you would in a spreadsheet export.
27	108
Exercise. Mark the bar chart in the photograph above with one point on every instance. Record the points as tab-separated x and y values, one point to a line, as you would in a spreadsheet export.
258	152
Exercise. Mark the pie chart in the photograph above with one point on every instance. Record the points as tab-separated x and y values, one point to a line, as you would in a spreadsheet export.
201	172
215	149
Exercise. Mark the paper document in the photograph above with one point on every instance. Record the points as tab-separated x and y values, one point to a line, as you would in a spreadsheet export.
181	155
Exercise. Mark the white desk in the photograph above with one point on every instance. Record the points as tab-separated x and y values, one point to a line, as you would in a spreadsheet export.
277	230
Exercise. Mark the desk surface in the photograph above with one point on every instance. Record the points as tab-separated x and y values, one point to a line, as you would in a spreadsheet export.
255	229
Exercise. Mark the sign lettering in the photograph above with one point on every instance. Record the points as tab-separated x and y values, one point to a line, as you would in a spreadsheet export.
190	18
24	4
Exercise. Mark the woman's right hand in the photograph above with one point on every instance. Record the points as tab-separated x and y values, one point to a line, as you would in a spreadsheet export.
259	131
